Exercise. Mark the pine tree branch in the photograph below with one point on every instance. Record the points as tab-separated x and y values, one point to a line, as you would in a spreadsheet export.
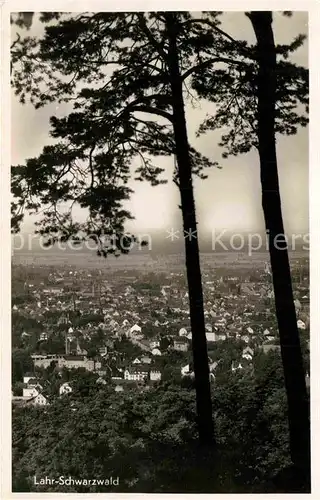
146	98
154	111
206	63
151	38
212	25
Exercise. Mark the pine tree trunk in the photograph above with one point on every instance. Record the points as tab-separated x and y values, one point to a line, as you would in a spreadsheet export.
298	404
199	341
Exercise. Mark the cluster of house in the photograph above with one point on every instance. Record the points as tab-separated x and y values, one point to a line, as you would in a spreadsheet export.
247	355
130	306
179	343
141	369
32	392
123	308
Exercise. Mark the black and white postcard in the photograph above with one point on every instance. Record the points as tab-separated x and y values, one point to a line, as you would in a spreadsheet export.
157	327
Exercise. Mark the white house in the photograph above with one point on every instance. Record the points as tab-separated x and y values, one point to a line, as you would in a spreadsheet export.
249	330
270	338
118	388
146	360
180	345
247	353
156	352
183	332
245	338
103	351
155	375
135	328
135	374
65	388
136	361
185	370
211	336
40	400
28	378
301	324
221	336
30	392
135	335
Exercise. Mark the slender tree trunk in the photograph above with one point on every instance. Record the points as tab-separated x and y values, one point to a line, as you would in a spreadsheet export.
199	341
298	404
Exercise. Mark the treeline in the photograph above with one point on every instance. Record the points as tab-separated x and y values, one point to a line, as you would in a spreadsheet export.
149	438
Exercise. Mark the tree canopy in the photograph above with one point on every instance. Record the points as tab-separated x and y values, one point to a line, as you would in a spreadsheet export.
115	78
150	437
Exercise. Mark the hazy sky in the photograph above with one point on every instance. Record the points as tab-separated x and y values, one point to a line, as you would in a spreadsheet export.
230	198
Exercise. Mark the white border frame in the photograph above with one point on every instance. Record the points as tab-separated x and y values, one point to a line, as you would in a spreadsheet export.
310	6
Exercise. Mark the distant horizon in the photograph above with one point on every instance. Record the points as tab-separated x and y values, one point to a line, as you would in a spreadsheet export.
159	241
